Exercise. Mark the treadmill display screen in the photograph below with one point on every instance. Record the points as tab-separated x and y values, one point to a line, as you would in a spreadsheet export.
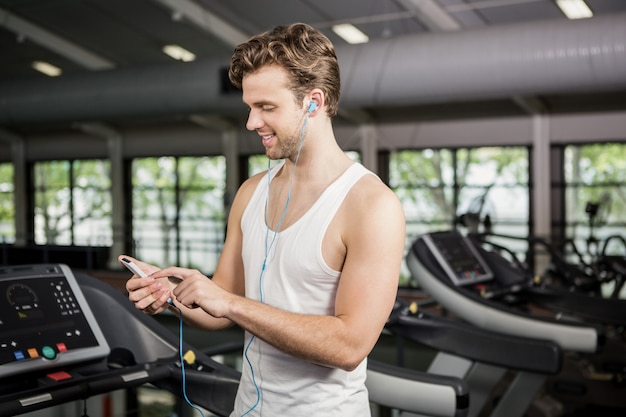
44	320
458	257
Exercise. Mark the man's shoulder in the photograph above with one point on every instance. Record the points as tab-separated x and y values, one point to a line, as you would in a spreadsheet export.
245	192
370	198
371	186
250	184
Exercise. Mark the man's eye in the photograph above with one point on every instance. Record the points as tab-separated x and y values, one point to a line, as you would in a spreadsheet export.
269	108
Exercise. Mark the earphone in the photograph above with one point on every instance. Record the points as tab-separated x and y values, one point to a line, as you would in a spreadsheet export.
268	245
131	266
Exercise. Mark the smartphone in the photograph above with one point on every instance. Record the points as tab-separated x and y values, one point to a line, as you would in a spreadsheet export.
132	267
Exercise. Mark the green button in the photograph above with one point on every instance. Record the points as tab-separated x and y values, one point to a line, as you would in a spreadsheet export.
48	352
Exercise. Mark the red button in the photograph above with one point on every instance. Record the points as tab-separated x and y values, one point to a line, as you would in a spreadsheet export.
59	376
61	347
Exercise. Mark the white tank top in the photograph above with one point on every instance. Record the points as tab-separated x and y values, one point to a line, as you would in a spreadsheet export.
296	279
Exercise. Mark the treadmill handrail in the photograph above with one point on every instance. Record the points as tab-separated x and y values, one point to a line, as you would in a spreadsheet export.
415	391
595	309
481	345
590	308
55	394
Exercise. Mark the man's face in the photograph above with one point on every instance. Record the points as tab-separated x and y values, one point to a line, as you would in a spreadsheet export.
274	114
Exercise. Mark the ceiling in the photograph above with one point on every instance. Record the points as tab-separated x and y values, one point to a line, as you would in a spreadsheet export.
96	35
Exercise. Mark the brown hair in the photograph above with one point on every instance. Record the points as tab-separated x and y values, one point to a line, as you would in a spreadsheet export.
307	55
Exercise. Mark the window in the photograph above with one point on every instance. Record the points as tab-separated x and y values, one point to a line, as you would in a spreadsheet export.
595	196
91	202
437	186
257	163
7	207
73	203
178	210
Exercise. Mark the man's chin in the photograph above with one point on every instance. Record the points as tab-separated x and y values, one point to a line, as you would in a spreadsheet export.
273	154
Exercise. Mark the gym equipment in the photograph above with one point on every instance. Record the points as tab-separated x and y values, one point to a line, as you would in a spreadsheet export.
46	322
493	304
482	358
418	392
510	303
582	271
135	348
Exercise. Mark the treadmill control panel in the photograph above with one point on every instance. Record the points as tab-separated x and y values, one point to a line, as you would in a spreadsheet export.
458	257
44	320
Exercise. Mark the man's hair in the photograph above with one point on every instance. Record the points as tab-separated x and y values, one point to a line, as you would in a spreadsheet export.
305	53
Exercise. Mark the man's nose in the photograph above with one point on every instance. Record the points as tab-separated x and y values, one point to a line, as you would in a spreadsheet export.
254	120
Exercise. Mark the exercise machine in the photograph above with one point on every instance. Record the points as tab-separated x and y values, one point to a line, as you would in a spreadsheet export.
483	288
72	337
511	369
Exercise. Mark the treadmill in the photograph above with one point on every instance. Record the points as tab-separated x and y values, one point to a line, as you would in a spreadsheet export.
475	286
485	360
484	289
69	337
66	337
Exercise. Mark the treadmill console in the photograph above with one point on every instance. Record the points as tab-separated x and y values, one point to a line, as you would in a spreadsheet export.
458	257
45	321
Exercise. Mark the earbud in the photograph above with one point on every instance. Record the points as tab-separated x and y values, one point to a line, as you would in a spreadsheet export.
312	106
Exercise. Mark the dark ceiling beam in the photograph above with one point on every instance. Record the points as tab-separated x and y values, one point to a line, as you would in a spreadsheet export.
205	20
25	29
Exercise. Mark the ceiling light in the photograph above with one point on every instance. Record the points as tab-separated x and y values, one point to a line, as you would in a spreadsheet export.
350	33
179	53
47	68
574	9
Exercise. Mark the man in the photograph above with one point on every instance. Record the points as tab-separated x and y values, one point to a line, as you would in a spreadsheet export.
312	255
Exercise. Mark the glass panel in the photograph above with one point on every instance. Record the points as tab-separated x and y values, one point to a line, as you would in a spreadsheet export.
154	209
52	203
595	197
494	184
178	210
92	203
7	207
427	167
202	184
256	164
423	180
597	163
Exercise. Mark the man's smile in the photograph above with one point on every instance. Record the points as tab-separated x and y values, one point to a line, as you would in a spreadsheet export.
267	139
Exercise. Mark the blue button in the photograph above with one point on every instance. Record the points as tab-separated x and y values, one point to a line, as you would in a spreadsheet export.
19	355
